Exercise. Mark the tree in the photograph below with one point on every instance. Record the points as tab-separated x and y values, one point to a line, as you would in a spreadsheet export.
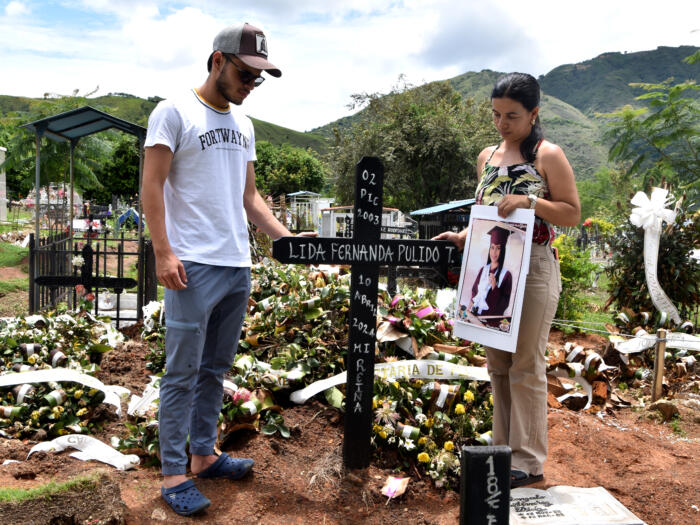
285	169
607	195
21	155
662	141
119	173
427	137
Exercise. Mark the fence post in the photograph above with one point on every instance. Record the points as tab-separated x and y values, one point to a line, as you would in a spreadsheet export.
140	267
150	273
32	284
659	359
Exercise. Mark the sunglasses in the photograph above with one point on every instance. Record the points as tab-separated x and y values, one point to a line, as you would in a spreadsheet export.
246	76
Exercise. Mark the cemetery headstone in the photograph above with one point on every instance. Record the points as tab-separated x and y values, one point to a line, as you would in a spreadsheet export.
365	251
485	486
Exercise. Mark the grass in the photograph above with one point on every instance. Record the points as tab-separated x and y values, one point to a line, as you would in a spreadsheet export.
11	254
596	298
85	482
19	284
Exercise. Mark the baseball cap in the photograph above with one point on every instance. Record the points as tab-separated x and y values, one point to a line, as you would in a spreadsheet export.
249	44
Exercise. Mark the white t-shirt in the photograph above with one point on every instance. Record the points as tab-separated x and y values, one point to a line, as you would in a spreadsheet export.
204	215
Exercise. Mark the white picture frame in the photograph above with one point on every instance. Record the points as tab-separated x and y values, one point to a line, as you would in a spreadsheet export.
472	321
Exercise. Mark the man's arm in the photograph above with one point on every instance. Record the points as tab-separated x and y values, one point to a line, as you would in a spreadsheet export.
156	166
257	211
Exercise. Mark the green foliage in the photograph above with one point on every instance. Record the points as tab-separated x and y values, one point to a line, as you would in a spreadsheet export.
602	83
607	194
20	162
678	274
576	271
661	141
428	139
118	173
280	135
286	169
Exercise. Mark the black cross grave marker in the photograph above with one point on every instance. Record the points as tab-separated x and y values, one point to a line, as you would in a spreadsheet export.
118	284
365	252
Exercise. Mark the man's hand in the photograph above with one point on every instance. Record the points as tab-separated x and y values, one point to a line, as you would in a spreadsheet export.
171	272
307	234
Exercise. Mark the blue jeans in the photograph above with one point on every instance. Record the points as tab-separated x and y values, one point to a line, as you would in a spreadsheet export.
203	328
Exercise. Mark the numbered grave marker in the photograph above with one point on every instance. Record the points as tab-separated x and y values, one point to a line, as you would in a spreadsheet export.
485	486
365	251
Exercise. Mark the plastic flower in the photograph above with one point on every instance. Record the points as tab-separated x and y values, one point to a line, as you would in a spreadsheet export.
386	413
429	422
382	434
459	409
449	446
241	395
78	261
491	399
80	289
422	441
90	297
469	396
423	457
408	444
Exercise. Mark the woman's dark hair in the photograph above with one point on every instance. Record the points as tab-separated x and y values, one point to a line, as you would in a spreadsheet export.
525	89
501	260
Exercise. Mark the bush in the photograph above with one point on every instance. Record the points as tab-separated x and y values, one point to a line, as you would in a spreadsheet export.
576	272
678	273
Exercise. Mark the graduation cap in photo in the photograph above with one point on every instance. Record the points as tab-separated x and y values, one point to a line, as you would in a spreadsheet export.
499	235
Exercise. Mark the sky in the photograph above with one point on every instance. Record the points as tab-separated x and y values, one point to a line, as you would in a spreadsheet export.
327	49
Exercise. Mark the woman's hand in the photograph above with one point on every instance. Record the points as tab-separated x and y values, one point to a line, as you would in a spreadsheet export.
492	280
510	203
458	239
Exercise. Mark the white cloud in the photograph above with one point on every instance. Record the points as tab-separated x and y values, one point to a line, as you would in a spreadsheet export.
16	9
326	50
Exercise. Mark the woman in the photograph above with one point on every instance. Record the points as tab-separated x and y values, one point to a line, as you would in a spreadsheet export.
493	284
525	171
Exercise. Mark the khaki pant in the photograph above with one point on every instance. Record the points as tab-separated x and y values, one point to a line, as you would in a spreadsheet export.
519	380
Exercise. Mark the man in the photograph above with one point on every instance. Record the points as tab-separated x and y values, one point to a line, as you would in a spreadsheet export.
198	193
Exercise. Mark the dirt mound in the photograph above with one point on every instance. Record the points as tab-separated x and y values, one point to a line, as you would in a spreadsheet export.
649	465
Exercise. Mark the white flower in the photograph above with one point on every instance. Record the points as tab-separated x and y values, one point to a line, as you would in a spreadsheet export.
151	308
391	440
77	260
421	418
408	444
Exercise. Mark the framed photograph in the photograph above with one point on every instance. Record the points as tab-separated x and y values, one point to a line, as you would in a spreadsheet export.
492	281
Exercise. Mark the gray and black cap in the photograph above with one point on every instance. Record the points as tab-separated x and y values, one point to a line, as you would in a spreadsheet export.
249	44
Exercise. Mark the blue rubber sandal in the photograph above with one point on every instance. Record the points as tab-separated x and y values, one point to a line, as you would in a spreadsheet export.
227	467
185	498
518	478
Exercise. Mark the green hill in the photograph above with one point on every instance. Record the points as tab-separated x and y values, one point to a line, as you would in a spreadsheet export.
602	83
135	109
563	124
572	94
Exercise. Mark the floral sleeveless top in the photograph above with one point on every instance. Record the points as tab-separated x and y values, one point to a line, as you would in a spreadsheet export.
516	179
